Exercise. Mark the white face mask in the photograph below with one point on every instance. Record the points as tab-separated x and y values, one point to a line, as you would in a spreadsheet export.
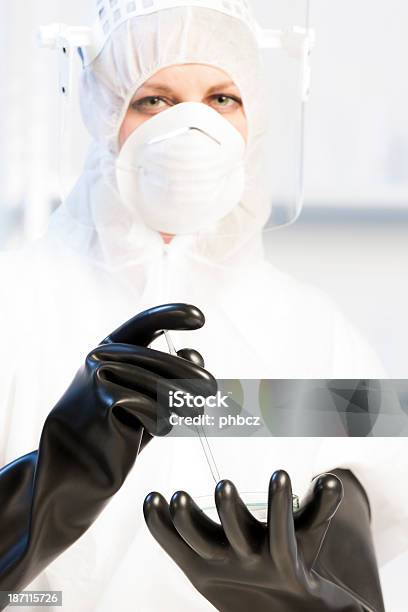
183	169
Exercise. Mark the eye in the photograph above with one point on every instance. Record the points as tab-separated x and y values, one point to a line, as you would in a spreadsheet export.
150	104
224	102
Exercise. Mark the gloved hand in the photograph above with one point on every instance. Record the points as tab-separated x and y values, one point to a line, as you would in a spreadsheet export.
350	538
90	441
244	564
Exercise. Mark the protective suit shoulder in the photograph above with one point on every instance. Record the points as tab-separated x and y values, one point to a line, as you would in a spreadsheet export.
309	335
352	355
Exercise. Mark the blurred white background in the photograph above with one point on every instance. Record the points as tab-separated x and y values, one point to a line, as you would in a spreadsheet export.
351	239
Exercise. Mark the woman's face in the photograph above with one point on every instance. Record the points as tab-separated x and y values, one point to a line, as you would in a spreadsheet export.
185	83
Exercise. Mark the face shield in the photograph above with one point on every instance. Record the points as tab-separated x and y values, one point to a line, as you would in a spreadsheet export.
190	170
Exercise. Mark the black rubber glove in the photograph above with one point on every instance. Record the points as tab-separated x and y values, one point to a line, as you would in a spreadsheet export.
244	564
90	441
347	556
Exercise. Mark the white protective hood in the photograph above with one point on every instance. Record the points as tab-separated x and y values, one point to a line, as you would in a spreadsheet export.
99	265
94	218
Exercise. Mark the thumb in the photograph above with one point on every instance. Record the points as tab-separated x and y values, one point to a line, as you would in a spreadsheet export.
313	519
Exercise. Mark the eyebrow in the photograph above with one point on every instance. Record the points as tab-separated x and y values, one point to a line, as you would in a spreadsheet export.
221	86
166	90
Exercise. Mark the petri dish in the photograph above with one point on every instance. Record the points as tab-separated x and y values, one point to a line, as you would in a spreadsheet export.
254	501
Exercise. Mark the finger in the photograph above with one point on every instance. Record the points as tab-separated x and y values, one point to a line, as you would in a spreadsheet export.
243	531
165	365
192	355
129	405
158	519
282	539
127	378
313	519
139	410
148	395
202	534
148	325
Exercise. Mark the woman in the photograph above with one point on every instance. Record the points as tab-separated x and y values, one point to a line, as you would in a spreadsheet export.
105	258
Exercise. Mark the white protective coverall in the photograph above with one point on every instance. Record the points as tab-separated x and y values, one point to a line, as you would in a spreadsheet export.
98	266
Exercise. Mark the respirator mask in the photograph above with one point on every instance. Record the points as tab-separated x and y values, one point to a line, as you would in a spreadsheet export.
183	169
